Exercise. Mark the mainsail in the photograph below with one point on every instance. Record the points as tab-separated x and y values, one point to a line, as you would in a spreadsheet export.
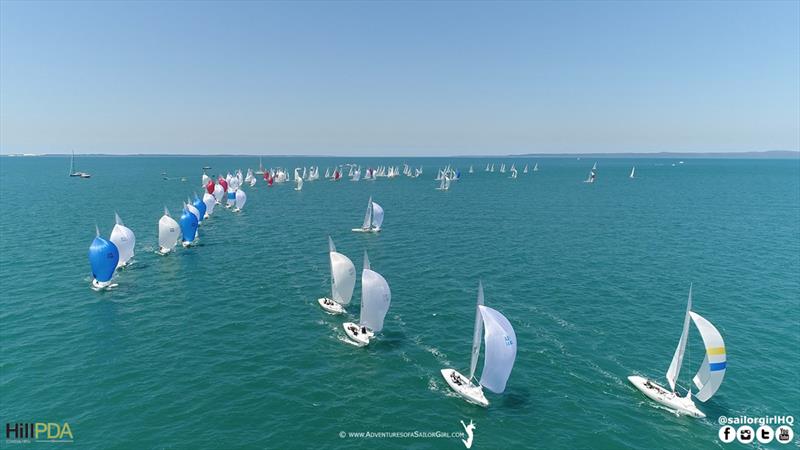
677	359
476	335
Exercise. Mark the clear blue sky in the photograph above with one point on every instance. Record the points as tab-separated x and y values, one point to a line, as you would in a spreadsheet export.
405	78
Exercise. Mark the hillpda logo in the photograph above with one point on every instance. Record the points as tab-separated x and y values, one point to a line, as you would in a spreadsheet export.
25	433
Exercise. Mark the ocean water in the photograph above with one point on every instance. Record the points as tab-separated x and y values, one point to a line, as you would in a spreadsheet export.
223	345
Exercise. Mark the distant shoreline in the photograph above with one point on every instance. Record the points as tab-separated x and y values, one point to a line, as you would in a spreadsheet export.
769	154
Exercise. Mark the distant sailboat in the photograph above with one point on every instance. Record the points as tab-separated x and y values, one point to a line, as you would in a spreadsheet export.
594	167
470	169
633	171
343	280
592	176
168	233
709	377
72	171
124	239
299	183
536	167
210	202
200	206
525	169
103	257
373	218
500	351
375	300
260	170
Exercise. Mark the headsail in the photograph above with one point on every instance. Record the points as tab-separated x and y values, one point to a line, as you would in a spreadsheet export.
168	231
677	359
375	299
343	276
500	352
712	371
124	239
476	335
377	216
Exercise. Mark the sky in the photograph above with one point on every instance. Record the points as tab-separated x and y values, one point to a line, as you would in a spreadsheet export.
398	78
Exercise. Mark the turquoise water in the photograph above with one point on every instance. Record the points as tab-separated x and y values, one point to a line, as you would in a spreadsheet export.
224	346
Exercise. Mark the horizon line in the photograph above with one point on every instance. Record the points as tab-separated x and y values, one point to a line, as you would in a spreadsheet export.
663	154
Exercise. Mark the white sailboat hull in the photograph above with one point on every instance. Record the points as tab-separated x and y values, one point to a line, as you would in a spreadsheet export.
366	230
100	285
681	405
357	337
471	393
163	251
330	306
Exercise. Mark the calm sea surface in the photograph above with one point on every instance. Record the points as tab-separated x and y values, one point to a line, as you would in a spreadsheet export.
224	346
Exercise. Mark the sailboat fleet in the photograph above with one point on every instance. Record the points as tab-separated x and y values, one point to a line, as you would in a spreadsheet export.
492	331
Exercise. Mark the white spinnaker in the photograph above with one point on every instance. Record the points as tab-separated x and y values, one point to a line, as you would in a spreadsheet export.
206	179
677	360
377	215
124	239
219	191
209	201
343	278
368	215
476	335
500	350
375	299
241	199
168	231
712	371
194	211
299	181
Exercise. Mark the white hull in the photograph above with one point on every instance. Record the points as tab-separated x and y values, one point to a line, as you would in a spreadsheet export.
366	230
357	337
471	393
100	285
186	244
680	405
163	251
330	306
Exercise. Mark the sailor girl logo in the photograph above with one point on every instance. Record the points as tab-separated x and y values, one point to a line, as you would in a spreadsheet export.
469	429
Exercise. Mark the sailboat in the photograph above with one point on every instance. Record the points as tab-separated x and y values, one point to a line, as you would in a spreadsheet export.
594	167
470	169
444	185
299	181
210	202
633	172
124	239
343	280
525	169
708	378
168	233
373	218
241	198
200	206
500	351
592	175
72	171
188	224
375	300
260	170
103	257
536	167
